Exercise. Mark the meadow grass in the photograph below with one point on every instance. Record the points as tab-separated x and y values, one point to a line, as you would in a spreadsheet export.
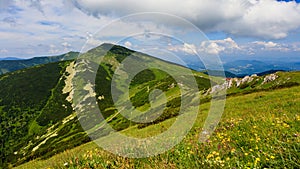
258	130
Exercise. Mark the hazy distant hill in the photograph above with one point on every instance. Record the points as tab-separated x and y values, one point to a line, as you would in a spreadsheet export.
13	64
220	73
249	67
10	58
237	68
241	68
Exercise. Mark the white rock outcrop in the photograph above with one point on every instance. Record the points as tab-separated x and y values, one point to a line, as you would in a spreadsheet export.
233	82
270	78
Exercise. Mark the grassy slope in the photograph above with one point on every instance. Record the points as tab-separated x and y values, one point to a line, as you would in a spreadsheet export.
284	79
31	104
43	130
257	130
22	96
70	134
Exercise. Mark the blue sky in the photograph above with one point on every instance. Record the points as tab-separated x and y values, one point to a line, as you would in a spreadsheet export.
236	29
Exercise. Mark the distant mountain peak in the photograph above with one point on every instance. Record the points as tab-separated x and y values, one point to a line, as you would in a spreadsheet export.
10	65
113	47
10	58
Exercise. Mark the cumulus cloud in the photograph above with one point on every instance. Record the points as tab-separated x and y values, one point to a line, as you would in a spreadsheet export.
266	44
186	48
189	48
128	44
229	46
267	18
215	47
263	18
65	22
211	48
28	27
271	46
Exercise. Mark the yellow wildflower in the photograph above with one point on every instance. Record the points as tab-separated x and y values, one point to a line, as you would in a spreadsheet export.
218	158
209	156
258	139
256	160
297	118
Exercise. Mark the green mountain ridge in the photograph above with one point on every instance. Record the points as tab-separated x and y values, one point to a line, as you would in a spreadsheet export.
11	65
38	120
36	113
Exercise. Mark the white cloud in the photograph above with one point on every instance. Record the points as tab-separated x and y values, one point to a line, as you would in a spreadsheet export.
228	43
186	48
266	45
92	43
296	46
269	19
3	51
270	46
35	30
66	44
189	48
211	48
263	18
30	26
53	49
128	44
215	47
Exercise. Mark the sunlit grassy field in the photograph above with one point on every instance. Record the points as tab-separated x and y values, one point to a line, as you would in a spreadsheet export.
258	130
